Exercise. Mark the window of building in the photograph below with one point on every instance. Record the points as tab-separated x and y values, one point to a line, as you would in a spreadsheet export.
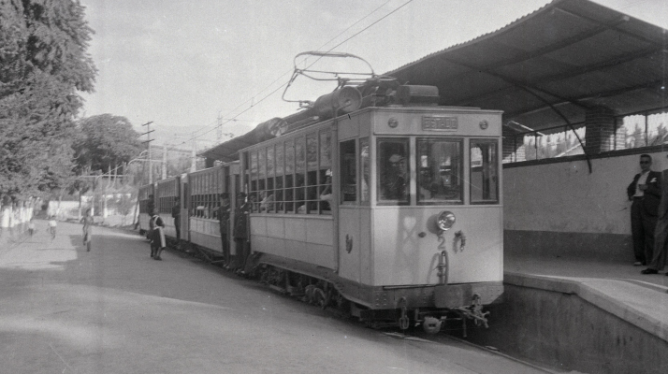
439	171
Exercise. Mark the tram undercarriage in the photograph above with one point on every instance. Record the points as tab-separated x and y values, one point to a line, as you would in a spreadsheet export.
378	307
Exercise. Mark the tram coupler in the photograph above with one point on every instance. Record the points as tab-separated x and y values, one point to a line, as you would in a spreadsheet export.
432	325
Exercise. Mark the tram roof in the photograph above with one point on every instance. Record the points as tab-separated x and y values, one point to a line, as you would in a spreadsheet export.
570	55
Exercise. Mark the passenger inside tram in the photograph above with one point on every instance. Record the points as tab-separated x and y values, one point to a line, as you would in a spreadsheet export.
395	184
266	202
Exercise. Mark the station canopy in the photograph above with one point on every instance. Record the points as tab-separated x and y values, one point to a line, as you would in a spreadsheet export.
544	69
552	65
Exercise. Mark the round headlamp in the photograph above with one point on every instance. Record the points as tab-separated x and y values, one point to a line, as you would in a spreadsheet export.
445	220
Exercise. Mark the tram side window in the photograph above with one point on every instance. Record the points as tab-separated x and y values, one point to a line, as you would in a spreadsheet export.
289	176
348	171
484	171
312	178
365	153
325	172
280	170
393	172
440	171
300	177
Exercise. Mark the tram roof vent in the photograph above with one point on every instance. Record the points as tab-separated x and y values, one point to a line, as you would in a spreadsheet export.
417	95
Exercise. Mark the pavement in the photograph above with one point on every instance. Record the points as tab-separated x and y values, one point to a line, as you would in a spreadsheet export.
115	310
618	288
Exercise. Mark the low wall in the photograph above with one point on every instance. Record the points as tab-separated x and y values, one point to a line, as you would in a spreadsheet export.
556	207
557	324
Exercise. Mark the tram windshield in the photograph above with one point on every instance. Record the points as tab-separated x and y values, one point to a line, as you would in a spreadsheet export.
439	171
393	173
484	172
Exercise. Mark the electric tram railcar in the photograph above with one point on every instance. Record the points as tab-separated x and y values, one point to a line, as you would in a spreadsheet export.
203	200
390	213
146	194
413	231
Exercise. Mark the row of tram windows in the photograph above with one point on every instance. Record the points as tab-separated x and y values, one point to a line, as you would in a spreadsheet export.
291	176
439	166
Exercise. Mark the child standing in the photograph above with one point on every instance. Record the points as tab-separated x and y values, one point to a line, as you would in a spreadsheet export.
52	226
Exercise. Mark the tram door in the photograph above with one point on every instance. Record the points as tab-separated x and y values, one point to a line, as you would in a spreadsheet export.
185	209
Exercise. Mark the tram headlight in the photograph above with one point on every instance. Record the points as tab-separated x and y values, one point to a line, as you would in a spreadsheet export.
445	220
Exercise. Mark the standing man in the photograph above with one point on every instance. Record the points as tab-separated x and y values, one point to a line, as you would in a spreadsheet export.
645	192
241	230
658	260
176	214
224	222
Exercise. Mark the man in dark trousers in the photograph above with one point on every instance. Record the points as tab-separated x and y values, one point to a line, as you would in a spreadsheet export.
241	230
645	192
658	260
176	214
224	222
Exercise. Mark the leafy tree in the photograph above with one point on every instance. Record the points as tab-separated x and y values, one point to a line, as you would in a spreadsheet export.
105	142
43	66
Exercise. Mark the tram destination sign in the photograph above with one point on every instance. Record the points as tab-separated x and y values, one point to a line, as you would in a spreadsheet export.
439	123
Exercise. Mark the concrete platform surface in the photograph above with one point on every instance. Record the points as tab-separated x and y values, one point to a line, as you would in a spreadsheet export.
618	288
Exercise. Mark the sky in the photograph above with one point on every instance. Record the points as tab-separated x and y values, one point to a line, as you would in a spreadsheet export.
183	64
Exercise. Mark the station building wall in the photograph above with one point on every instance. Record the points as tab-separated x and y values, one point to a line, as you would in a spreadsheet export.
555	207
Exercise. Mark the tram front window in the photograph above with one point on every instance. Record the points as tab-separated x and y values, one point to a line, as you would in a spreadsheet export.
393	173
484	172
439	171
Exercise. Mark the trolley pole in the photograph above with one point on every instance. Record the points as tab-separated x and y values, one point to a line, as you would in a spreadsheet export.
148	144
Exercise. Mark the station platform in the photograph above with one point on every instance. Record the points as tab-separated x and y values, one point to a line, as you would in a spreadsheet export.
582	315
619	288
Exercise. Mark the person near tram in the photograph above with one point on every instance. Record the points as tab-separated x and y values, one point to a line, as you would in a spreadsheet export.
53	224
644	192
240	233
266	202
224	224
158	241
87	228
659	257
395	181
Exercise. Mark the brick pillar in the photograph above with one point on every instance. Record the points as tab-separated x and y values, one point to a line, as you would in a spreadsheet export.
513	146
600	130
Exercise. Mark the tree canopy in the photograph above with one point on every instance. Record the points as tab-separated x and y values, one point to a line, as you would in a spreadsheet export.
43	66
105	141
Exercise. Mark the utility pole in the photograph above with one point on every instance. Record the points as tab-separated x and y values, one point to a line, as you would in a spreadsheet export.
164	161
193	155
148	144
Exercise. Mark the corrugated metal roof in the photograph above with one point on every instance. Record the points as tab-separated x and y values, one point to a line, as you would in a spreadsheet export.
572	54
569	55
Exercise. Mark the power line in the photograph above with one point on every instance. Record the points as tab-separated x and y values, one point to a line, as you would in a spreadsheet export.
227	120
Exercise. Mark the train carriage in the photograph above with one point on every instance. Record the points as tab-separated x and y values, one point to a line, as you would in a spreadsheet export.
146	197
373	200
402	176
165	198
204	188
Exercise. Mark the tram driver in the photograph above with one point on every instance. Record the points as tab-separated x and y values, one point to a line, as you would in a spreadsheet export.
396	178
